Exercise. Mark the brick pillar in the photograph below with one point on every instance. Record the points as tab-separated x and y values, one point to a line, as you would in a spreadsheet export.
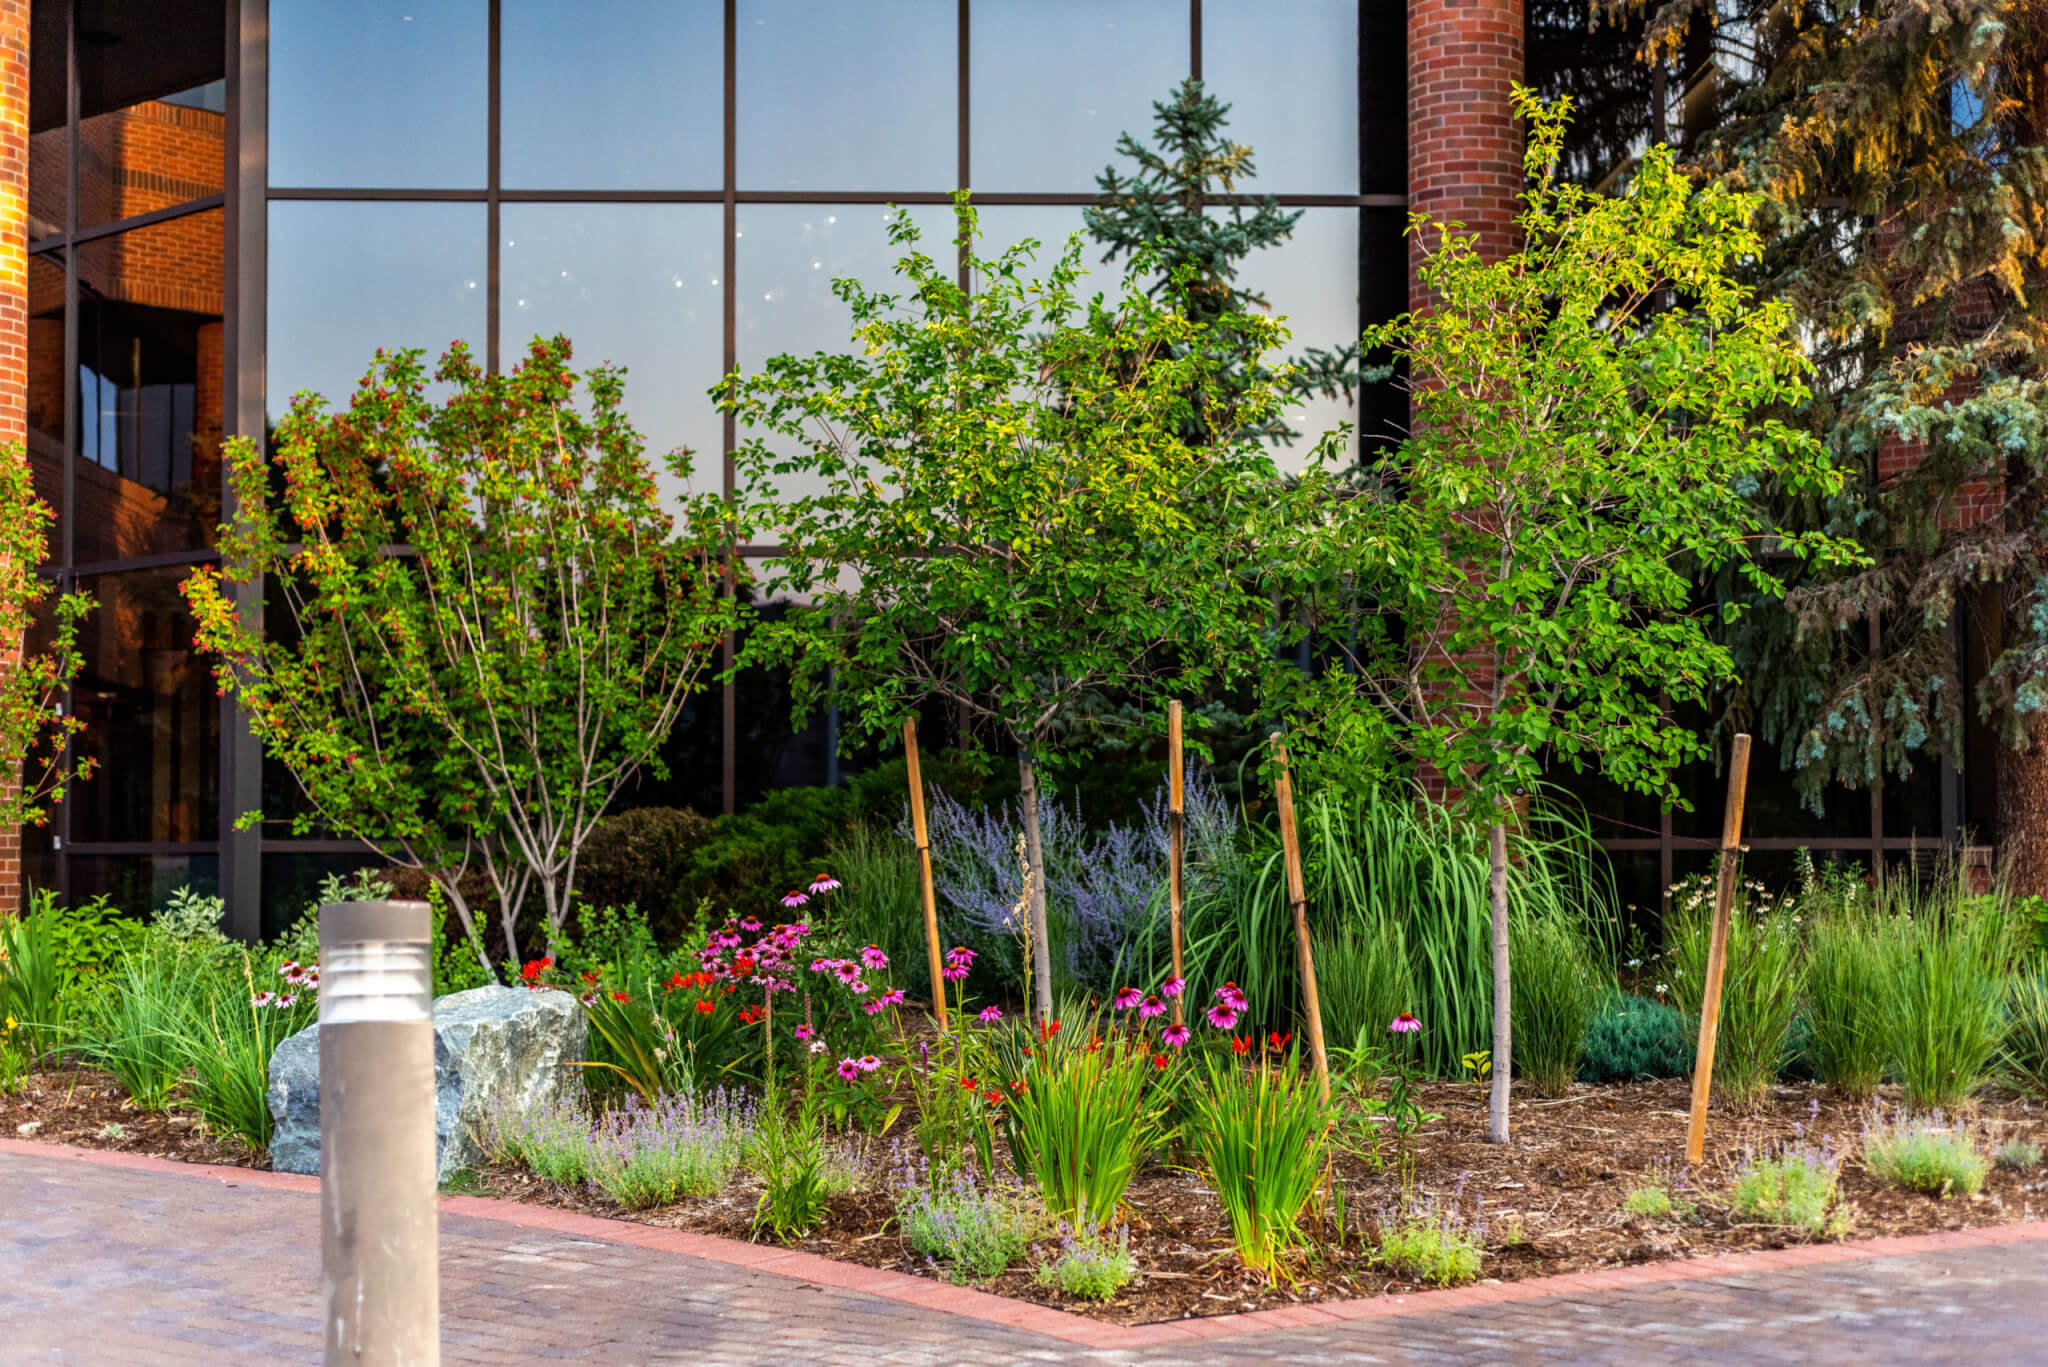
13	321
1464	149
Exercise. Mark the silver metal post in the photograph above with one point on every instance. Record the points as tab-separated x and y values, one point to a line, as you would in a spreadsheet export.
379	1245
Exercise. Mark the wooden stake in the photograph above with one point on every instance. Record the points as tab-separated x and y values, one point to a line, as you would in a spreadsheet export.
1297	900
1177	846
1717	949
924	869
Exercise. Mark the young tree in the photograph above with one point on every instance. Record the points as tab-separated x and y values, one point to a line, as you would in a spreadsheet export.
1013	517
483	621
1593	416
35	767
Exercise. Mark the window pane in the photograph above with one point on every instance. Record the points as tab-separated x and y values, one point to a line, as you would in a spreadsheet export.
346	279
1289	73
381	93
1004	225
574	76
49	157
45	389
291	884
846	95
153	154
1055	81
635	285
149	390
1311	281
142	884
152	717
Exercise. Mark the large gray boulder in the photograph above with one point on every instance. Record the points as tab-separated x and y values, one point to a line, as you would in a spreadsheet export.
496	1050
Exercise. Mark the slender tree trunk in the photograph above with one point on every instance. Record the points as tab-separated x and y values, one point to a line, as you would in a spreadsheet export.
2023	815
467	919
1503	1058
1034	854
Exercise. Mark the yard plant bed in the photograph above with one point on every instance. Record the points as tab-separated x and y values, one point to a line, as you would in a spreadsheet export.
1552	1197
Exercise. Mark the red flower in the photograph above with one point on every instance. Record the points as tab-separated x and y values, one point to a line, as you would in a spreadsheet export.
622	996
1277	1041
1016	1084
676	981
1159	1060
707	1006
993	1098
750	1015
534	968
1241	1044
970	1084
590	978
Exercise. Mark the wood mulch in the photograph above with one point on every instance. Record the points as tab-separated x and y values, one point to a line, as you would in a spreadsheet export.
1551	1199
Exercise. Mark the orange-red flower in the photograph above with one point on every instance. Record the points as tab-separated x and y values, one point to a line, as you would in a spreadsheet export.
1240	1044
707	1006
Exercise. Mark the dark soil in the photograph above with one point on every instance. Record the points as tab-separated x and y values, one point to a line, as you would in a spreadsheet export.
1551	1199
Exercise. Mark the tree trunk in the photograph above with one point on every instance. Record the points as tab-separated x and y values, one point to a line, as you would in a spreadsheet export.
2023	815
1034	854
1503	1059
467	919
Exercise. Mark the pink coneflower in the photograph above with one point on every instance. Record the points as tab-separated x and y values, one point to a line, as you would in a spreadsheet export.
794	899
1174	1036
1232	996
1151	1007
751	924
263	999
848	971
857	987
871	957
868	1063
960	956
1172	987
1404	1024
893	997
953	973
1222	1017
285	1002
849	1068
804	1032
823	965
824	882
1126	998
990	1015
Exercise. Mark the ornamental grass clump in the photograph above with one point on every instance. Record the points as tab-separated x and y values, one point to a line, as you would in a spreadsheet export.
1944	1008
1559	982
1794	1186
1924	1153
1434	1243
1760	990
644	1156
2024	1059
1852	957
1262	1135
550	1139
976	1230
1092	1263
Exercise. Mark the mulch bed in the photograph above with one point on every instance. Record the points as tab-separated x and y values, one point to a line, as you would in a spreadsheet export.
1552	1197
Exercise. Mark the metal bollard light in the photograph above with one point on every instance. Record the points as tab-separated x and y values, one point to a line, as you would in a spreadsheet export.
379	1241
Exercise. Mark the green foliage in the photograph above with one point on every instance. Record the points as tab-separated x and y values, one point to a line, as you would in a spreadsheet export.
552	1141
1851	970
1039	447
1081	1124
1092	1263
2018	1155
227	1042
641	858
36	767
683	1146
33	1002
1652	1202
136	1026
881	903
479	701
1943	1009
1924	1153
798	1174
1634	1039
977	1230
2025	1056
1559	981
1364	980
1435	1248
90	936
1794	1186
1760	989
1261	1135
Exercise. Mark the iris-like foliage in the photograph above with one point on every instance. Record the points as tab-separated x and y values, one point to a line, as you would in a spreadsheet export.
1262	1136
1081	1124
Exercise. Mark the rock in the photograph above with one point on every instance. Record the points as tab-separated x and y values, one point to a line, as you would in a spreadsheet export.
493	1047
28	1128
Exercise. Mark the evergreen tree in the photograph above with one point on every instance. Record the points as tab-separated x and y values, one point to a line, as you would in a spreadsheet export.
1898	147
1181	200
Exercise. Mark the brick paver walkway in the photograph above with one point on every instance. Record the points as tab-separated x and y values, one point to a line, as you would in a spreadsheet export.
106	1264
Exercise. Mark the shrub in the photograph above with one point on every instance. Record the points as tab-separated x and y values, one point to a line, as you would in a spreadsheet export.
551	1141
1924	1153
31	977
1080	1125
1760	989
1633	1039
1091	1264
1794	1186
2024	1059
978	1231
641	1156
1431	1244
2018	1155
641	858
1852	959
1557	988
1659	1195
1944	1006
1261	1135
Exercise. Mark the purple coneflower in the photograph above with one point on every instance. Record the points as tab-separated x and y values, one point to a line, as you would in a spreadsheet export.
1174	1036
1126	998
824	882
1222	1017
751	924
1151	1007
871	957
804	1032
990	1015
794	899
868	1063
1172	987
849	1068
1404	1024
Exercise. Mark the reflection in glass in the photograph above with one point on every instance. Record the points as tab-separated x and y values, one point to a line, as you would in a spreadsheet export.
379	93
575	76
1004	225
150	370
152	717
349	278
1290	76
635	285
1311	281
1055	81
45	389
153	154
789	255
291	884
142	884
847	95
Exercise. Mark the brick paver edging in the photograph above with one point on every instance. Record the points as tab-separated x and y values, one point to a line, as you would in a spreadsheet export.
1060	1324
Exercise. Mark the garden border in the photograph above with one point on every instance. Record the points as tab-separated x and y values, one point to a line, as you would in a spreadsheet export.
1060	1324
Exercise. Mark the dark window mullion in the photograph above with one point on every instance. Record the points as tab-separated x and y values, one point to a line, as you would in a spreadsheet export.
495	107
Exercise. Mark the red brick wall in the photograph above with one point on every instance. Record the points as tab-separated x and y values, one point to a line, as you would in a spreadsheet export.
1464	147
13	317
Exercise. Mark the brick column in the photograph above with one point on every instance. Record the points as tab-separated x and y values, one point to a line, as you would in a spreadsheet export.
13	321
1464	149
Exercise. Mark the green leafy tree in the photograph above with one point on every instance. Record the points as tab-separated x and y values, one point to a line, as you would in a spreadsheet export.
1172	210
36	767
483	620
1593	415
1013	517
1898	152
